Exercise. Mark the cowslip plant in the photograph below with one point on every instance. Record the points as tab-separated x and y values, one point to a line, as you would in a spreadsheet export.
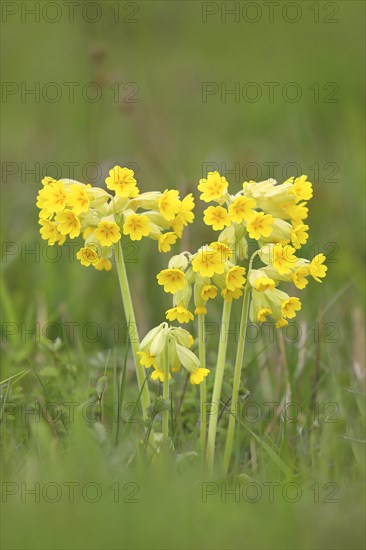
262	223
70	209
271	217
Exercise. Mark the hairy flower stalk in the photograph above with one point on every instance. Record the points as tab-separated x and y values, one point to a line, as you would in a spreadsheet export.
203	386
219	376
237	378
132	329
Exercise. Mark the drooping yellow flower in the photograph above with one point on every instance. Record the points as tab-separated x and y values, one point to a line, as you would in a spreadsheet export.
122	181
259	225
241	209
297	212
316	268
299	277
136	226
78	199
280	323
198	375
262	315
169	204
159	374
208	262
184	216
147	360
230	295
50	233
302	189
166	240
299	235
68	223
213	187
172	280
208	292
217	216
289	307
283	258
264	283
179	313
107	233
104	264
200	310
54	195
87	256
235	278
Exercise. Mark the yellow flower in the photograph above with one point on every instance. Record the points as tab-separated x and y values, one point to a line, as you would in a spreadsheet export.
107	233
283	258
297	212
200	310
184	216
165	241
316	268
103	264
230	295
179	313
281	323
68	223
241	209
87	256
159	374
50	233
208	292
172	280
122	181
299	235
136	226
47	180
302	189
217	216
169	204
224	250
260	224
264	283
208	262
147	360
54	195
299	277
235	278
197	375
78	199
87	231
262	315
289	307
213	187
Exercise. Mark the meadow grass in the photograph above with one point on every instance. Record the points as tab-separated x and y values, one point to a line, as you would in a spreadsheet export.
70	411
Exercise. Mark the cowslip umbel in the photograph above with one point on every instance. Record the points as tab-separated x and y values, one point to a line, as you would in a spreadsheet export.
173	345
72	209
100	217
269	218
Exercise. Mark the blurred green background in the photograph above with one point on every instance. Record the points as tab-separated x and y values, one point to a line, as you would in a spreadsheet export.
152	63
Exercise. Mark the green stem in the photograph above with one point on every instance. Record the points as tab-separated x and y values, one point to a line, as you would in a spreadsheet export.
203	386
237	376
215	403
166	395
132	329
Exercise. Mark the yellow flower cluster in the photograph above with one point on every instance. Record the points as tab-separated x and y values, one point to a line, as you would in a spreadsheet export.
201	275
273	215
165	345
69	208
267	211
